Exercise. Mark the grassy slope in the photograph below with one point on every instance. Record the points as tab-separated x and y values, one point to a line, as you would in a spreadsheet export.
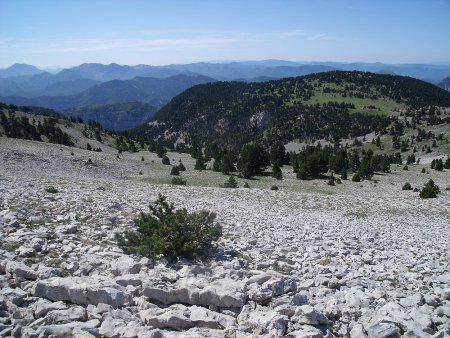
383	106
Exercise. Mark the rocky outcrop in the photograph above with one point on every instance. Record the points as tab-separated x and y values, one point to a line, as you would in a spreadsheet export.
83	291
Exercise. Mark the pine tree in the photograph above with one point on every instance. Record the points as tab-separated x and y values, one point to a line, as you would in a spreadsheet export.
230	183
181	166
253	159
174	171
447	163
276	172
199	163
430	190
165	160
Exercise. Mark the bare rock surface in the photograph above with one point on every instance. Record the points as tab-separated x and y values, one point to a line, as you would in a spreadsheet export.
355	260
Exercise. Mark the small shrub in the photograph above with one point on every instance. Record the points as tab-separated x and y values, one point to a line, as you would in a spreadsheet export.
447	163
423	171
230	183
177	180
142	159
172	233
356	178
429	190
331	180
175	171
51	190
200	164
274	187
344	175
165	160
181	167
246	185
140	173
405	167
276	172
407	186
439	165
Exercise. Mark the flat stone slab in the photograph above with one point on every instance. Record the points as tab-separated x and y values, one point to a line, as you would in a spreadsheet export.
83	291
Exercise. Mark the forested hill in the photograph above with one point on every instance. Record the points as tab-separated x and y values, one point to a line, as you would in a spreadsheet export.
332	105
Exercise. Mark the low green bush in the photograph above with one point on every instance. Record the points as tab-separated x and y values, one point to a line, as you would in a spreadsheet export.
356	178
165	160
172	233
175	171
51	190
230	183
177	180
429	190
407	186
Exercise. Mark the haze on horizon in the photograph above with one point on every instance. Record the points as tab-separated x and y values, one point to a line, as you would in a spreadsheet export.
159	32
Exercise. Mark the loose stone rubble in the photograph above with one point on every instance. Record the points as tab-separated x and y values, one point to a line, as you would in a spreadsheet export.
369	261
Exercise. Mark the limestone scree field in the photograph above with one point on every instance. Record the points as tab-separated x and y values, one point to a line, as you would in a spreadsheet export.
362	259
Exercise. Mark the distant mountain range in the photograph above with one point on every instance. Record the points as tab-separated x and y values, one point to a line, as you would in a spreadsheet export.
93	84
116	104
29	81
140	89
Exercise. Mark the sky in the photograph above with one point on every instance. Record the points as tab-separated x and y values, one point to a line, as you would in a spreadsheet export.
65	33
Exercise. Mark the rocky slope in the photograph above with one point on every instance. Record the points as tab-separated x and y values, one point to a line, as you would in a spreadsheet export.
355	260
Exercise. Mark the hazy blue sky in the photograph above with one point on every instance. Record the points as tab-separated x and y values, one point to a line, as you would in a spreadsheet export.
70	32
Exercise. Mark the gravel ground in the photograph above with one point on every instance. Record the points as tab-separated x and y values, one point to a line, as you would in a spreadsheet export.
309	260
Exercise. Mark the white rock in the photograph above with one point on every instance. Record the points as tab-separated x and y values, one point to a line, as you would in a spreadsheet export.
202	317
306	331
20	271
72	314
83	291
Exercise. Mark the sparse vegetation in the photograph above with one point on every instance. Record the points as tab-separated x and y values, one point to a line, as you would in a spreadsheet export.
165	160
175	171
177	180
51	190
407	186
172	233
356	178
430	190
230	183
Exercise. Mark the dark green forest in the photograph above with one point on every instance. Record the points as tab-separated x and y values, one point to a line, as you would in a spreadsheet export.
232	114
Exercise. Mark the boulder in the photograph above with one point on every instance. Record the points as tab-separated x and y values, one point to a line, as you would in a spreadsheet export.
306	331
202	317
172	319
383	330
357	331
72	314
83	291
72	329
262	322
306	314
222	293
42	307
16	296
20	271
125	266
